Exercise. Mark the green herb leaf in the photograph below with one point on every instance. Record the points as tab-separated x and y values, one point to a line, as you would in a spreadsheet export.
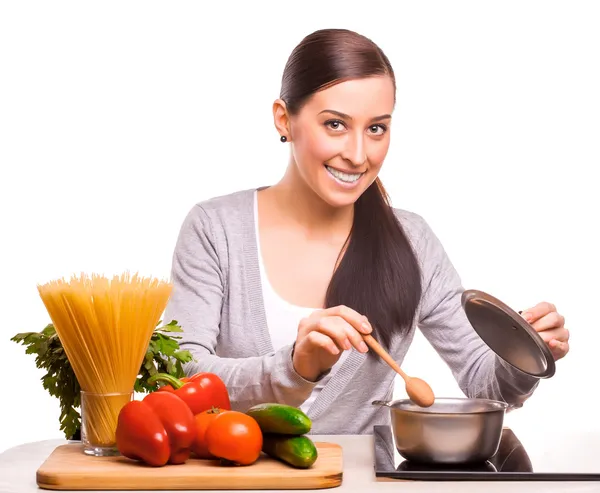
163	355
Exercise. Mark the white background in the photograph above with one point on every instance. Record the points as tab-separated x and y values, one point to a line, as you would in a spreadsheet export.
116	117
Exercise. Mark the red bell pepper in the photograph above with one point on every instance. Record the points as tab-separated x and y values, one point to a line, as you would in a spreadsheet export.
201	391
157	430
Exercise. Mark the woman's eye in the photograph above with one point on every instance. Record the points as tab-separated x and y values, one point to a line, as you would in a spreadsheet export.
334	124
378	129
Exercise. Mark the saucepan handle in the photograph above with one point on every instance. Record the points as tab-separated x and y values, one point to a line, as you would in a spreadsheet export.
381	403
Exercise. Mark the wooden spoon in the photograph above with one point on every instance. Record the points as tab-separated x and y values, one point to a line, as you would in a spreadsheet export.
418	390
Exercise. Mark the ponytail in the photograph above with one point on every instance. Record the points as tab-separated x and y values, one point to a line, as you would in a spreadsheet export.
378	275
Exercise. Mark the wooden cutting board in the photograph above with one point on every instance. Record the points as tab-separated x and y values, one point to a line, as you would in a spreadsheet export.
68	468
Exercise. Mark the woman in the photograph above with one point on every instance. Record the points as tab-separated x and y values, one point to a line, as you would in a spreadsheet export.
274	287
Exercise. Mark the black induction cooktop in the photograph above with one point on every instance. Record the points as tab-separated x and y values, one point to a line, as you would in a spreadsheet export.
570	460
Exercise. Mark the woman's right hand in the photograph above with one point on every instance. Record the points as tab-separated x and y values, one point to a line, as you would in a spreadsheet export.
323	336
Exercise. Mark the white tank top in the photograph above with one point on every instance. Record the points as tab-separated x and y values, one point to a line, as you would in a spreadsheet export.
283	317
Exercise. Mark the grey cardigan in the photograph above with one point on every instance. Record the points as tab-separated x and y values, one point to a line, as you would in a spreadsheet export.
217	299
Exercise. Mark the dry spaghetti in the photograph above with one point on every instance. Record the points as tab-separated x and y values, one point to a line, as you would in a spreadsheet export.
105	326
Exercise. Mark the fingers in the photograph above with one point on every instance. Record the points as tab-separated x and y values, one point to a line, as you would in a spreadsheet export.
355	319
558	349
341	324
560	334
321	340
538	311
342	333
552	320
544	318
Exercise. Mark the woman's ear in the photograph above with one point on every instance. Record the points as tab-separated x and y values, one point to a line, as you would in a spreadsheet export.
281	120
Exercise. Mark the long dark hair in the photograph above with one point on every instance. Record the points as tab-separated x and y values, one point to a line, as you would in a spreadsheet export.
379	274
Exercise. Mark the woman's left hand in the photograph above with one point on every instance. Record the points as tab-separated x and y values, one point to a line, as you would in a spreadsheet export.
551	326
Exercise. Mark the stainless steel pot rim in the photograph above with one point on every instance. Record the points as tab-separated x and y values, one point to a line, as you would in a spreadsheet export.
406	405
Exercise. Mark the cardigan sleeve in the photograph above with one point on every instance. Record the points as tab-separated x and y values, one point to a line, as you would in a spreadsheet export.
478	371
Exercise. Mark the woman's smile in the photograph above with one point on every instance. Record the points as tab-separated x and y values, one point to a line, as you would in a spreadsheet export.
344	178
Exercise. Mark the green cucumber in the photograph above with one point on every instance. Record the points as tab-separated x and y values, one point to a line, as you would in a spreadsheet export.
297	451
280	418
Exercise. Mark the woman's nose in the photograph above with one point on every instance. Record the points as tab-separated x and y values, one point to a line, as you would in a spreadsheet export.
354	150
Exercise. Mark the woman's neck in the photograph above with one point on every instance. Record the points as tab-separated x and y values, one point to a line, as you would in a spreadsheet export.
293	197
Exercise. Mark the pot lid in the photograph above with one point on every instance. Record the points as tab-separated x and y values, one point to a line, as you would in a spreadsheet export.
508	334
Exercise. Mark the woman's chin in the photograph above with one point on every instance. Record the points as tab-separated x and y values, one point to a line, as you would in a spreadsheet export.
340	198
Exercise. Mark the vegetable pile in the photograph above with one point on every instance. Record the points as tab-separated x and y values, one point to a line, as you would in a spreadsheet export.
191	418
185	417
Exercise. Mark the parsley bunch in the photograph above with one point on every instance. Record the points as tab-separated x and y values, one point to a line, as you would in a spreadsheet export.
163	355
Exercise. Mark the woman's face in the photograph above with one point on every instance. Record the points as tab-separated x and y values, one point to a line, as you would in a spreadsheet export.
341	136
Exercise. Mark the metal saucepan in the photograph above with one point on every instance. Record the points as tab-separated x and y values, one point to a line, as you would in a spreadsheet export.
451	431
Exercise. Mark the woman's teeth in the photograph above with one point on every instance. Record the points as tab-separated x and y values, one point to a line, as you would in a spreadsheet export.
345	177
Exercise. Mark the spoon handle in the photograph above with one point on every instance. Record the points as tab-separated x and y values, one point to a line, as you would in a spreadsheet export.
375	346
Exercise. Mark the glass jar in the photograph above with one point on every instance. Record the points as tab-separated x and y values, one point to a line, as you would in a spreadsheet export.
99	417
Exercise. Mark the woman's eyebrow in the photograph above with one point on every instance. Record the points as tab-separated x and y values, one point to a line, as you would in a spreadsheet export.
348	117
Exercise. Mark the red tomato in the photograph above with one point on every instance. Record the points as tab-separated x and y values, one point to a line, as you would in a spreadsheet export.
203	421
236	437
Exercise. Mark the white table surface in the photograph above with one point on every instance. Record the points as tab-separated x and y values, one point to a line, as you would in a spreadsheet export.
18	466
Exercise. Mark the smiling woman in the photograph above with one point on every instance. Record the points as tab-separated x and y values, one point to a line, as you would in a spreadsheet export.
335	109
275	287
